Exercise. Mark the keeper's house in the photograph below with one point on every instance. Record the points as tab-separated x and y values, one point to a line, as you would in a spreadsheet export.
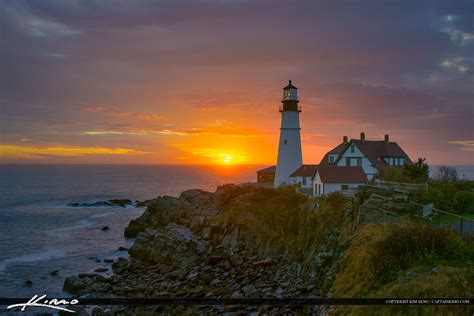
372	155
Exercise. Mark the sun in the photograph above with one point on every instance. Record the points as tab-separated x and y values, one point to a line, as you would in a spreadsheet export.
227	159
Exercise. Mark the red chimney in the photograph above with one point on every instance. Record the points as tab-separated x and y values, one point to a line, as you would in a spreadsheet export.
386	138
344	139
362	136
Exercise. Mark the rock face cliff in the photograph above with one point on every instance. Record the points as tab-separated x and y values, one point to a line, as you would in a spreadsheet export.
239	241
243	241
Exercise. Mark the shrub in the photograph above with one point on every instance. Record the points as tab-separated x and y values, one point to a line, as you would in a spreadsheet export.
464	201
391	174
448	174
418	171
379	253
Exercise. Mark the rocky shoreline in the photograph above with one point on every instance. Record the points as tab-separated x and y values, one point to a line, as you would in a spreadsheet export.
183	248
242	241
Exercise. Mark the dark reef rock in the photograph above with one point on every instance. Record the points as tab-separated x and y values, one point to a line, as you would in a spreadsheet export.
94	204
112	202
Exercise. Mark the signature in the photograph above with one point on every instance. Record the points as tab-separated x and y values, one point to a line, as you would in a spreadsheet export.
39	301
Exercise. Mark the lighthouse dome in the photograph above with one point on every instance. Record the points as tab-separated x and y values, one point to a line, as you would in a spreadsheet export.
290	86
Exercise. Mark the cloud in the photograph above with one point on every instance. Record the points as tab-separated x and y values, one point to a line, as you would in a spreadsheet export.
457	63
138	133
458	36
116	113
170	68
38	26
465	144
29	152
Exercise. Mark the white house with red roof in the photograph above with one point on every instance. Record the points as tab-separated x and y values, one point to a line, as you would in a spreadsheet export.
372	155
331	178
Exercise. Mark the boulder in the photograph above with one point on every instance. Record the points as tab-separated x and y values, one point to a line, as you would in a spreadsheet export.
74	285
105	228
249	290
101	269
120	265
160	212
87	275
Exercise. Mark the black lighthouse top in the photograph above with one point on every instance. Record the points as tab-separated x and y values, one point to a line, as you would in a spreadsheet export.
290	98
290	86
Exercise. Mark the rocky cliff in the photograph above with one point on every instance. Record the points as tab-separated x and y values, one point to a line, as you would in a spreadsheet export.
243	241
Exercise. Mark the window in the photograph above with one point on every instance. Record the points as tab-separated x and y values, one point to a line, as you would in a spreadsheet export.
331	159
304	180
344	187
285	142
352	148
348	162
319	189
359	162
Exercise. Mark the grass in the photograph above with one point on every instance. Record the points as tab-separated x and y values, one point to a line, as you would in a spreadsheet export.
382	260
449	219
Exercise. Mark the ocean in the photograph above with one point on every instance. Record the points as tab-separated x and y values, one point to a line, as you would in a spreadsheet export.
41	234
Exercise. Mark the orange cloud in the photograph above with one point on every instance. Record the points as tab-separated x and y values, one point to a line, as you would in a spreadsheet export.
113	112
31	152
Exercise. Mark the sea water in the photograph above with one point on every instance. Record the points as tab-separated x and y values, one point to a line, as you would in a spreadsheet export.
40	234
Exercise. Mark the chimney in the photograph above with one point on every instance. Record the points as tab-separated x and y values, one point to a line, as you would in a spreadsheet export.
362	136
387	138
344	139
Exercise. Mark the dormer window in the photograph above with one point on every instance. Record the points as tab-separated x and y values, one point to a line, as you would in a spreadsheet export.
352	148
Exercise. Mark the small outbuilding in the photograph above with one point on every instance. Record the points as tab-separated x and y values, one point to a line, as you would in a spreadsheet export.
266	175
304	176
331	178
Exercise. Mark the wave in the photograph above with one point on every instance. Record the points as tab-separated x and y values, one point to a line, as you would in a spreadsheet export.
61	232
34	257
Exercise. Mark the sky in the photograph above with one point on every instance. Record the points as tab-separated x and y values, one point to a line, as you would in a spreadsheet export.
199	82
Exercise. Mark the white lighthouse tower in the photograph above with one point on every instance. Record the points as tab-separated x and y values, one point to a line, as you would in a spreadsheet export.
290	156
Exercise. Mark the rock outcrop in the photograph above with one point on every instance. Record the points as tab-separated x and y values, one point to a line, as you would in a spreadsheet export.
190	246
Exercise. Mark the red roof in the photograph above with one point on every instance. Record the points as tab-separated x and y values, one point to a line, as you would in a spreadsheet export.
335	151
339	174
305	171
268	170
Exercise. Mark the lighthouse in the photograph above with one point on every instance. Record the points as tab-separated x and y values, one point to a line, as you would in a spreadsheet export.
290	156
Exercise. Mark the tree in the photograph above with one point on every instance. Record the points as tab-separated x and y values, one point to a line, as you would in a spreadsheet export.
418	171
464	201
390	174
447	174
